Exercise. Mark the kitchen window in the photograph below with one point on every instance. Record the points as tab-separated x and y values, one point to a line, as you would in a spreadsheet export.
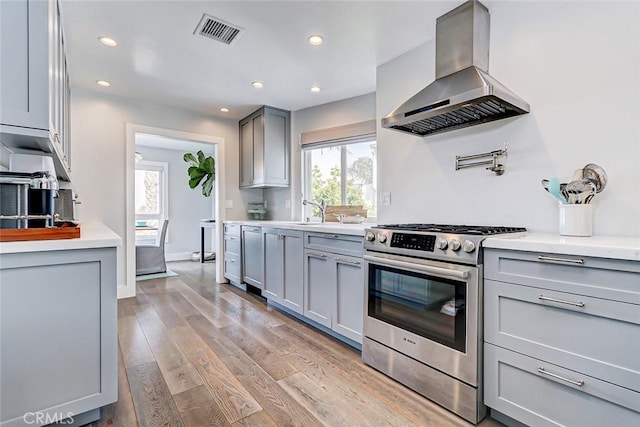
151	199
340	167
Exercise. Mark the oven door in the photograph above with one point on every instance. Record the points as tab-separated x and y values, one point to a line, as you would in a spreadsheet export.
427	310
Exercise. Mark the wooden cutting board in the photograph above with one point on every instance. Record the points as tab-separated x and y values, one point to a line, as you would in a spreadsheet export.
23	234
348	210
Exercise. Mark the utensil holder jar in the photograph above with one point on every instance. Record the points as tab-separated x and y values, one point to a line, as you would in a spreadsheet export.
576	220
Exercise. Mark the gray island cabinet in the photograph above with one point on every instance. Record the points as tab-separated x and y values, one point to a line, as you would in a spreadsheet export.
562	337
58	322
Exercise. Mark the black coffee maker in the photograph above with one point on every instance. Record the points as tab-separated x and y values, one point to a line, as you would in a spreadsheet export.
27	199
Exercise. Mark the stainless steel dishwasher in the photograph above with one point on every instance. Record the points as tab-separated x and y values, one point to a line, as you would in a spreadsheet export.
252	256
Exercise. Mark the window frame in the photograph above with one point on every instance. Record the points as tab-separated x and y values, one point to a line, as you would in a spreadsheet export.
307	167
163	168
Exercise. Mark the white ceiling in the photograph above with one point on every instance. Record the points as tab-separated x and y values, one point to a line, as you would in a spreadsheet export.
159	60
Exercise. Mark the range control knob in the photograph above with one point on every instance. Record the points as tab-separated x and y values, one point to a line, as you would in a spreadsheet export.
455	244
382	237
441	243
369	236
468	246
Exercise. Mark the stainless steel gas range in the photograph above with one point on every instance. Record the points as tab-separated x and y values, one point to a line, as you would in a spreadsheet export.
423	322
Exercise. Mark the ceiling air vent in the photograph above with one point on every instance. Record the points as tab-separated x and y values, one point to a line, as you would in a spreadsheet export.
216	29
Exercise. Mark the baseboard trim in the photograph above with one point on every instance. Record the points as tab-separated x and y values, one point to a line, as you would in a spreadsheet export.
178	256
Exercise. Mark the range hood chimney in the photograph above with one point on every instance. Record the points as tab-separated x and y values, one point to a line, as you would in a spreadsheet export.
463	94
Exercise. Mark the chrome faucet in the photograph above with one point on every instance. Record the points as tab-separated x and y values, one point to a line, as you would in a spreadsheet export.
322	206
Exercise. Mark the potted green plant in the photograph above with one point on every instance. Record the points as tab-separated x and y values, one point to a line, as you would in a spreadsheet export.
201	169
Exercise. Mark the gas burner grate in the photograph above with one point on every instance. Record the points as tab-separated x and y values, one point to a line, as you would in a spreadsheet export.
479	230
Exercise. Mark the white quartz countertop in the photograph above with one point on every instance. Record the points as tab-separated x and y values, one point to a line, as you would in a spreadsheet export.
92	235
615	247
327	227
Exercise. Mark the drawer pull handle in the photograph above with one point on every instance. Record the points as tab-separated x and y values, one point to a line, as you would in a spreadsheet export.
559	301
231	238
554	259
541	370
346	261
330	236
311	254
232	261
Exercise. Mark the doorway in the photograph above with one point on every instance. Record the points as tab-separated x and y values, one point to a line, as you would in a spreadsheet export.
155	147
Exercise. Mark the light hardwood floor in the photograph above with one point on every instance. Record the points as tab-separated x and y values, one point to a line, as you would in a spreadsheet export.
196	353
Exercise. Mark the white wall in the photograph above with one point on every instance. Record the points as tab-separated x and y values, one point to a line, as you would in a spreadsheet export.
578	65
186	206
98	155
350	110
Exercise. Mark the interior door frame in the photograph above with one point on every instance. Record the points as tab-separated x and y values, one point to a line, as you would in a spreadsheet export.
129	289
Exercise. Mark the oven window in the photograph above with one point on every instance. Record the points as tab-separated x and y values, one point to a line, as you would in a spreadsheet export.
431	307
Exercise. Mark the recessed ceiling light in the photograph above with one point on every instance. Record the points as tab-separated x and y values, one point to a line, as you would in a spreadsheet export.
103	83
224	109
107	41
315	40
257	85
314	89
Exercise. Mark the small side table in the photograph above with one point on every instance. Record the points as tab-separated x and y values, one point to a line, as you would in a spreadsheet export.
205	223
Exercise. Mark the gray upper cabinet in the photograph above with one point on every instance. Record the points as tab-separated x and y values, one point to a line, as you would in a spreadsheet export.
34	81
264	149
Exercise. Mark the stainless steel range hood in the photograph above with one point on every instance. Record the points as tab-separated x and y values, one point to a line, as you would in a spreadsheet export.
463	94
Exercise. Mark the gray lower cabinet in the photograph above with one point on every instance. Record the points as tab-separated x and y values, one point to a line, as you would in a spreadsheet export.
562	338
58	321
319	286
283	267
252	258
232	253
334	284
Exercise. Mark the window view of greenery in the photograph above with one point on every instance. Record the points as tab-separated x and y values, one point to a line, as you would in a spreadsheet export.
148	202
343	175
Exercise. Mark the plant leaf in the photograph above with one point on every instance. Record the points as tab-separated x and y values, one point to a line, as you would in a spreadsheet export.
210	166
193	182
207	186
195	172
190	158
200	158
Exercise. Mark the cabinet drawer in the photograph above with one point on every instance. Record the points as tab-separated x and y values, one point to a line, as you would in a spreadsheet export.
597	277
336	243
232	244
232	267
231	229
515	386
601	338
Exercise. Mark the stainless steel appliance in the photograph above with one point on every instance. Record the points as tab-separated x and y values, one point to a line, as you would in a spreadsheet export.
66	204
463	94
27	199
423	322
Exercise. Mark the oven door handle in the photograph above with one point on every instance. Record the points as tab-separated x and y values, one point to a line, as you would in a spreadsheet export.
418	267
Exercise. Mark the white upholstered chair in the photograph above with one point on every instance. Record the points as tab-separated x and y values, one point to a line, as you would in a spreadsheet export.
150	258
